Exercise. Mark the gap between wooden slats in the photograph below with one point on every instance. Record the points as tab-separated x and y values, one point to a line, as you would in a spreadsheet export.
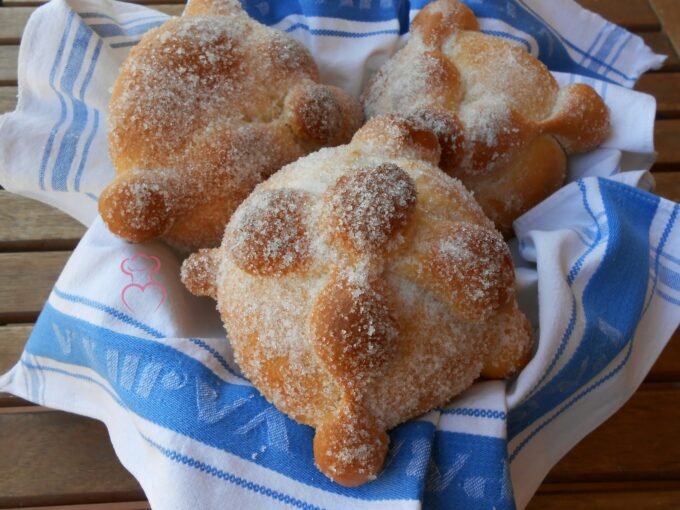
625	499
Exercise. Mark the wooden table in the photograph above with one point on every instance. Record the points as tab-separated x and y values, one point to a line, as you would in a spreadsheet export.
51	459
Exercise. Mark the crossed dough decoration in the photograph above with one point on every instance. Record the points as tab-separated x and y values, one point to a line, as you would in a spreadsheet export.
504	125
361	287
205	107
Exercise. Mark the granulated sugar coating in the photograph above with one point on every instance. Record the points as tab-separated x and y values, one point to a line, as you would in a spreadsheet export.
503	123
205	107
361	287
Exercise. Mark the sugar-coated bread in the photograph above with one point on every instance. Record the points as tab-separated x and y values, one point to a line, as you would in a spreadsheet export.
361	286
205	107
504	124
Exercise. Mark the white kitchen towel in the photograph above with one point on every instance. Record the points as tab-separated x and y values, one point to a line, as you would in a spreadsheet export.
120	339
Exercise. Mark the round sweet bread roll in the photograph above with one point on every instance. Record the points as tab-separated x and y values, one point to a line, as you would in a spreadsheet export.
205	107
504	124
360	287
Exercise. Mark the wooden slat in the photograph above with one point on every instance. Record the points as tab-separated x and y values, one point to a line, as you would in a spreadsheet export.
659	43
54	458
8	400
30	225
13	20
669	12
667	367
633	14
668	185
12	341
8	99
666	142
29	409
12	23
665	87
25	282
8	64
624	500
638	443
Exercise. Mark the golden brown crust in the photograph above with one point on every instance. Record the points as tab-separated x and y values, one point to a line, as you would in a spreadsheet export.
511	352
489	102
145	214
435	23
367	207
536	173
350	447
210	104
212	7
449	131
581	121
352	331
471	269
269	238
393	137
198	272
405	292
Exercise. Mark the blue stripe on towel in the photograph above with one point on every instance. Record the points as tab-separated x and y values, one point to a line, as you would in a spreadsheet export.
613	301
614	35
338	33
106	30
600	234
271	12
155	17
71	138
62	115
468	471
130	321
669	278
476	413
231	478
185	396
86	149
659	249
667	298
